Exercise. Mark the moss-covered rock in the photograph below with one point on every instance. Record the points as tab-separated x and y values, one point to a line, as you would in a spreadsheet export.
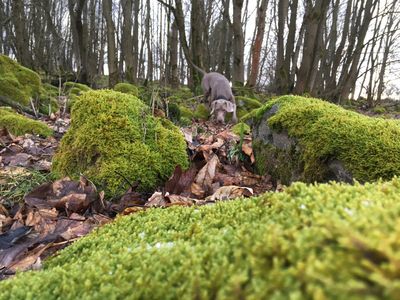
113	136
201	112
297	138
174	112
127	88
18	83
19	125
244	105
308	242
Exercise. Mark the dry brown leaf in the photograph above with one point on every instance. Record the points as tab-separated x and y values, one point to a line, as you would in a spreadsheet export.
27	262
206	175
197	190
248	150
156	200
230	192
131	210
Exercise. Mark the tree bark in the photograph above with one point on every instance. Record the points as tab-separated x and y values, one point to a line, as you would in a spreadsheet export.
238	44
112	61
258	41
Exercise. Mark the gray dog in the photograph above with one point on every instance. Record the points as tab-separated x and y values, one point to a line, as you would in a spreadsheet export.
219	93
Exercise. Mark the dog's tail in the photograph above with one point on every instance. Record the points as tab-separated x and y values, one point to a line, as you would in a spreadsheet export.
197	67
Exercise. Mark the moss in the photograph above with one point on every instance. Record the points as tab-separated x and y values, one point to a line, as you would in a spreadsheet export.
201	112
80	86
48	99
127	88
18	83
113	136
247	103
19	125
309	242
174	113
379	110
241	128
368	147
186	112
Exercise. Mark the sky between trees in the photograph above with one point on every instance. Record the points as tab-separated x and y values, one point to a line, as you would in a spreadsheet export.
333	49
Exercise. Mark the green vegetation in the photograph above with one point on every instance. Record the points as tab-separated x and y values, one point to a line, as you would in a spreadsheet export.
19	125
113	137
245	105
379	110
201	112
48	99
18	83
241	128
73	90
367	147
309	242
15	183
174	113
127	88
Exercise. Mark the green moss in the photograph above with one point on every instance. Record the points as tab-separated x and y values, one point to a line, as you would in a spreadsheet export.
17	82
48	99
309	242
113	136
174	113
201	112
127	88
186	112
368	147
19	125
379	110
247	103
80	86
240	128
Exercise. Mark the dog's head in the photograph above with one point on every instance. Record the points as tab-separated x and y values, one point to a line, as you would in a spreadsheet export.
220	107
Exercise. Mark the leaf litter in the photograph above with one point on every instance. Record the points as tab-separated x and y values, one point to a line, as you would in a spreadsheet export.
54	214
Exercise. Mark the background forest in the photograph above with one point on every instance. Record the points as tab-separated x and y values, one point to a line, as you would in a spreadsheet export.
333	49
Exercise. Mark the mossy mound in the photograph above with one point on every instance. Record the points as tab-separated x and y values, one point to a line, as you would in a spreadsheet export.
201	112
19	125
18	83
308	242
73	90
318	133
127	88
112	137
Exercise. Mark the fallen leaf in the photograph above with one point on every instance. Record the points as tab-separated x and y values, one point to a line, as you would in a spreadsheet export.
156	200
27	262
206	175
230	192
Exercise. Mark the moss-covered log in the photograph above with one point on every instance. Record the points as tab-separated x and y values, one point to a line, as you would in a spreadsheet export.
309	242
113	137
19	125
298	138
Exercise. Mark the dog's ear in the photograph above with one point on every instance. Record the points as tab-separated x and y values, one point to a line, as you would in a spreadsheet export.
229	106
212	107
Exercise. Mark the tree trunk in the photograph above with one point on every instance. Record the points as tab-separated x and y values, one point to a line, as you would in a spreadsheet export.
314	17
21	34
238	44
127	40
112	61
256	48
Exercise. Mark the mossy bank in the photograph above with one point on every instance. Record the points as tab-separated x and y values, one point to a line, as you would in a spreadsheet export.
297	138
19	125
309	242
113	139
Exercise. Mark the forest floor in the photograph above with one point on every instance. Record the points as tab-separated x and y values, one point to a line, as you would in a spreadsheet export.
38	216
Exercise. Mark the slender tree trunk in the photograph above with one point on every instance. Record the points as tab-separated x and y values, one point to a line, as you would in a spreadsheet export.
111	48
238	44
256	48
